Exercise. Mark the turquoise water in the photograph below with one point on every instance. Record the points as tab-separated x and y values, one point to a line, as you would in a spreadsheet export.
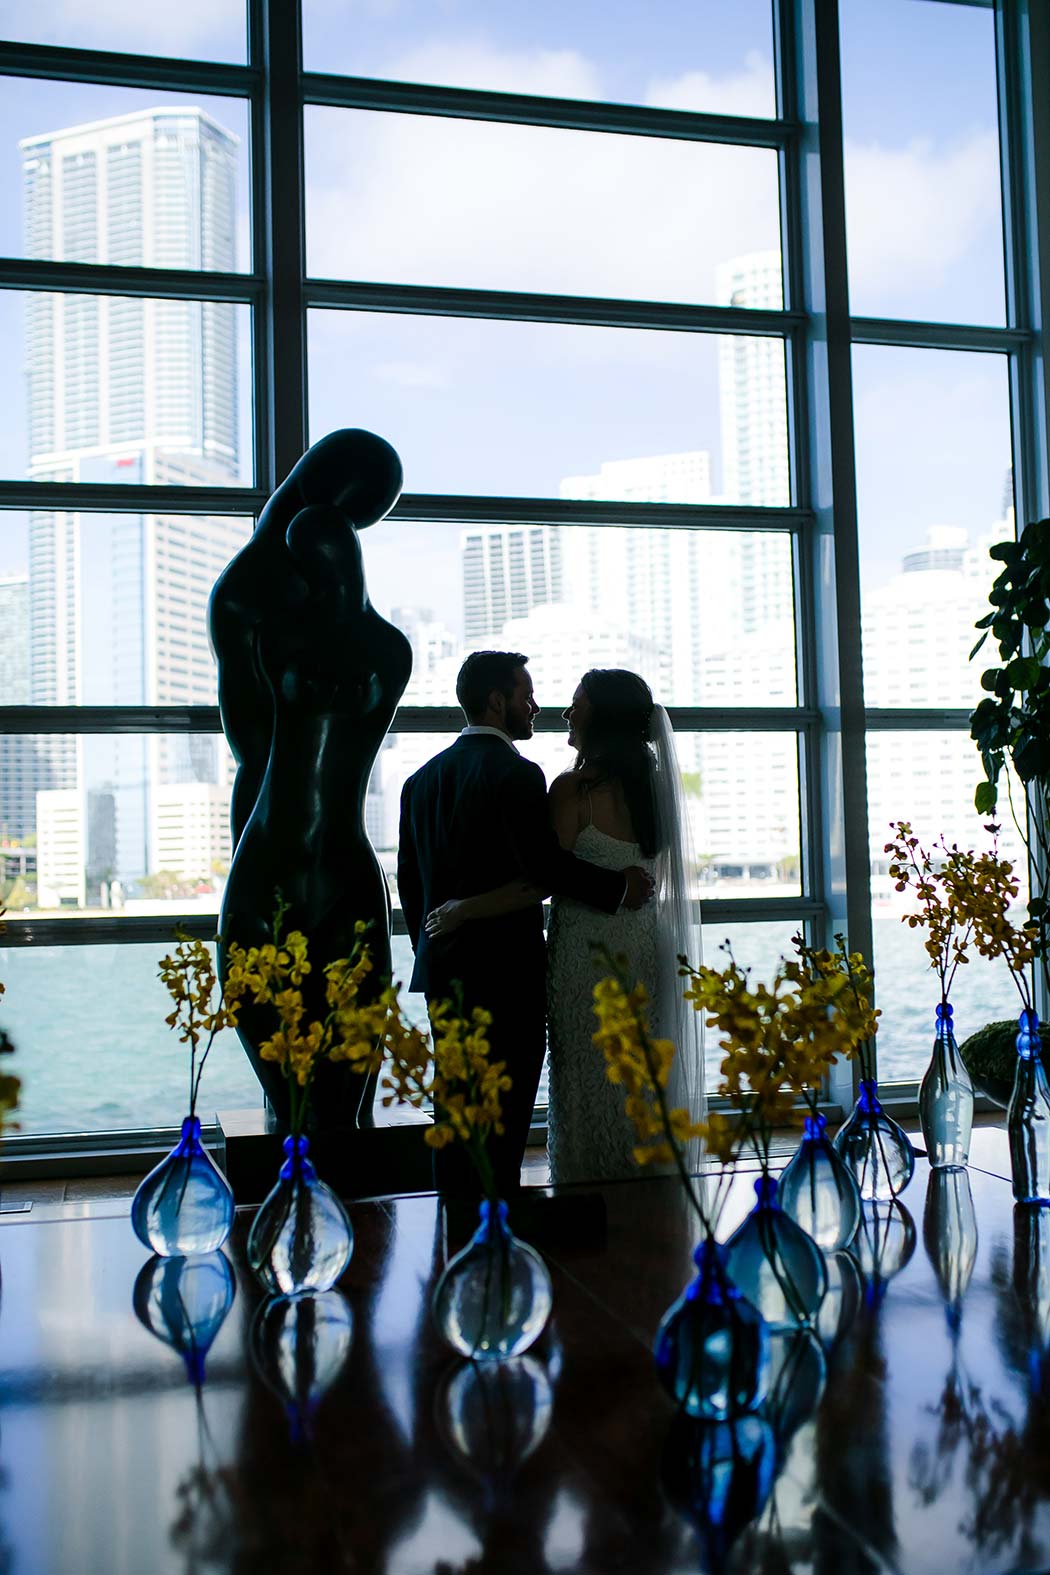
94	1052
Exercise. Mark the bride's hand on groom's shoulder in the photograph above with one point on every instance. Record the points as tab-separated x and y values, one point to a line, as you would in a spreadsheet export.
640	887
443	920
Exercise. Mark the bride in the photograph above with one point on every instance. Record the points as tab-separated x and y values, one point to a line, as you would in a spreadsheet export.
621	805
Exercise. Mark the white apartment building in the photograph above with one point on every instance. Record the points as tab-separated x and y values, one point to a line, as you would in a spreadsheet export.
139	390
190	833
61	854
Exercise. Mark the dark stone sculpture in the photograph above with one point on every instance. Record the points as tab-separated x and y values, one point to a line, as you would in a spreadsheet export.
309	678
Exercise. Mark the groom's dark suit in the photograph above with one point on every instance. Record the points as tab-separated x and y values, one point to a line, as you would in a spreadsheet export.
474	818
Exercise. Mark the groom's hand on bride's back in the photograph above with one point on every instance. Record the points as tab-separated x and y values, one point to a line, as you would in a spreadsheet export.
640	887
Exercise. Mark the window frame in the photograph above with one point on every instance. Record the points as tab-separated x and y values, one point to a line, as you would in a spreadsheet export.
830	720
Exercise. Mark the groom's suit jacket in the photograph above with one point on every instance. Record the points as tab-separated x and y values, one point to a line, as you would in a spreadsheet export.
472	819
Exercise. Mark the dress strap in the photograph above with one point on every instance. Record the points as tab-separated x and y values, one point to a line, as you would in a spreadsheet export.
590	809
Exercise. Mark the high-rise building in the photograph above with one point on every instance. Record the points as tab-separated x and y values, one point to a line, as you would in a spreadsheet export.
140	390
507	571
17	778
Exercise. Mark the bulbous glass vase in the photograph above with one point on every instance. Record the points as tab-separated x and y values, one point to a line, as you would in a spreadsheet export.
946	1098
1028	1117
494	1298
185	1204
774	1263
299	1346
818	1191
184	1302
301	1239
712	1346
875	1148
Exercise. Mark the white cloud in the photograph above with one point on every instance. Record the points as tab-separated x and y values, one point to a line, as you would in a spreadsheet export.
917	212
410	374
185	27
746	92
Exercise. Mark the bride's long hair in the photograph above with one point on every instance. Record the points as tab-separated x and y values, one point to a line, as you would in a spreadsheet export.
615	746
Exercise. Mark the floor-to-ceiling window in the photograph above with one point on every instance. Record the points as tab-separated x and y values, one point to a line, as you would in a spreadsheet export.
568	260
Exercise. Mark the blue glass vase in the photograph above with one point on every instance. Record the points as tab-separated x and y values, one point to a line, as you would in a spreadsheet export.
774	1263
719	1475
946	1098
299	1346
712	1346
185	1204
875	1148
494	1298
301	1238
1028	1117
184	1302
818	1191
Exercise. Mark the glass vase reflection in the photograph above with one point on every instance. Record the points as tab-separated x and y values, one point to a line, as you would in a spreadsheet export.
185	1204
184	1302
1028	1117
719	1475
843	1298
949	1234
301	1238
494	1415
946	1098
712	1346
875	1148
884	1245
797	1372
774	1263
494	1298
1031	1274
299	1346
818	1191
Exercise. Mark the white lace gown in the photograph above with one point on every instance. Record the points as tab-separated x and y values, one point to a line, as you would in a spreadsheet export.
589	1138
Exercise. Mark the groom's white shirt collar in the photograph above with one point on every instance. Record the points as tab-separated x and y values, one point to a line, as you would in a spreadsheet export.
477	727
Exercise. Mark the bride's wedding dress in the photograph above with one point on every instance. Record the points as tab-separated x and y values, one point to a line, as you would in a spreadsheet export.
589	1138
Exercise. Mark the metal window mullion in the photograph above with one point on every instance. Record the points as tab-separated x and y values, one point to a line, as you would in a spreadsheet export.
522	109
112	69
180	284
924	719
465	509
280	341
74	497
262	409
365	295
936	336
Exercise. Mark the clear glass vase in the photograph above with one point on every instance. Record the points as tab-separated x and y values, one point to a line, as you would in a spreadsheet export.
299	1346
875	1148
301	1238
949	1234
494	1298
185	1204
712	1346
184	1302
1028	1117
946	1098
774	1263
818	1191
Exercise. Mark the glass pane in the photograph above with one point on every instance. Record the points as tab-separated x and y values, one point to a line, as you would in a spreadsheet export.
110	609
934	491
475	204
928	779
923	199
110	388
216	30
592	596
679	54
538	410
123	175
100	1058
134	823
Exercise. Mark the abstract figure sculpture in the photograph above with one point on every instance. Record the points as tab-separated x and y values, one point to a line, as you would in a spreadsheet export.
309	678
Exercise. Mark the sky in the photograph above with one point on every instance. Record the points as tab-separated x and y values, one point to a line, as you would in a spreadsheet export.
512	408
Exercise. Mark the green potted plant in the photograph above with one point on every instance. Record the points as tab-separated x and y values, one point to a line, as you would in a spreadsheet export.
1012	723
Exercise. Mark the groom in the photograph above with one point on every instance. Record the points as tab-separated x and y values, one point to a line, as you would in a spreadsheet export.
474	818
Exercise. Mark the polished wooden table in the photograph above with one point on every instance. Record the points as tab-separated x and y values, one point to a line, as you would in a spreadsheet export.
928	1450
